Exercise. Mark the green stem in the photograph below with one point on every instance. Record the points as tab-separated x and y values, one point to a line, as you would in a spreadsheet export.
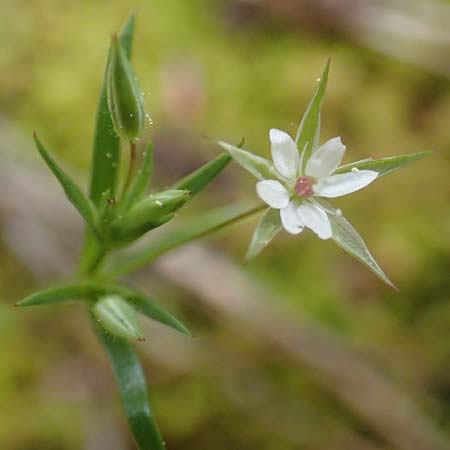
199	228
131	168
92	256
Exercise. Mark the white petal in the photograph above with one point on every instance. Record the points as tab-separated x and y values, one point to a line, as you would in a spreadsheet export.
344	183
326	159
273	193
284	153
290	219
316	219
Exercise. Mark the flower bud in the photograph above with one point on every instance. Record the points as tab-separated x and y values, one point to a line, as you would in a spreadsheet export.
148	213
124	95
118	317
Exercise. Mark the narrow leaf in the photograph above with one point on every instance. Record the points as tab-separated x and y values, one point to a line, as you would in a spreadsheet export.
117	316
350	240
193	229
260	167
268	227
145	305
106	149
141	180
307	133
57	294
133	390
72	191
384	166
200	178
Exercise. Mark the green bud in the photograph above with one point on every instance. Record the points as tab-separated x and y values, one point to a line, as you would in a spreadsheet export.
124	95
118	317
148	213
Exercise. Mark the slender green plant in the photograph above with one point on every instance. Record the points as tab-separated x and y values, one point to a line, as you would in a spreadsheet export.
118	212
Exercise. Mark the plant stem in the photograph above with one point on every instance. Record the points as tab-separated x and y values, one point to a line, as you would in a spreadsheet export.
131	167
198	228
92	256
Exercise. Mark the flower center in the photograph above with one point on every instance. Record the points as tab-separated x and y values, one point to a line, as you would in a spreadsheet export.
304	187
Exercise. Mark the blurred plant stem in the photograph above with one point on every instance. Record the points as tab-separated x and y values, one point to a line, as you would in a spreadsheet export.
132	165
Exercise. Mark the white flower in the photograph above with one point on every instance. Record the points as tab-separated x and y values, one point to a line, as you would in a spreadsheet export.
299	183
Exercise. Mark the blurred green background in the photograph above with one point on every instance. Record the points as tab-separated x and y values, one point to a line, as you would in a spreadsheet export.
235	69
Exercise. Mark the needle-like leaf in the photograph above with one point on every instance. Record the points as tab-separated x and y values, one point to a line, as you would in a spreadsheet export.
200	178
57	294
72	191
133	390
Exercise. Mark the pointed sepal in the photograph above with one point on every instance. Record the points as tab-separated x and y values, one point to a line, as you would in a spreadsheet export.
309	128
267	228
351	241
383	166
259	167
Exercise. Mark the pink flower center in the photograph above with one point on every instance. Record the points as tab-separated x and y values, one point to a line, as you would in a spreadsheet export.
304	187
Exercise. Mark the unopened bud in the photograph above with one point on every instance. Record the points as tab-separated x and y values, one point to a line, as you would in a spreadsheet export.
118	317
148	213
124	95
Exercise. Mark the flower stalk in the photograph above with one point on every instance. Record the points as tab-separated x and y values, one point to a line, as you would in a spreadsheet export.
131	168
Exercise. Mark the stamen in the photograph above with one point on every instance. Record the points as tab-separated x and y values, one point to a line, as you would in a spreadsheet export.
304	187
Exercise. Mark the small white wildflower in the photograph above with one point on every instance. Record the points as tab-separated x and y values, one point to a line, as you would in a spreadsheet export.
294	191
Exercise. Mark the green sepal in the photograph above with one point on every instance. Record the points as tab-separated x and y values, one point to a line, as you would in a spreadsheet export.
141	181
200	178
351	241
125	100
106	147
383	166
192	229
308	130
147	214
259	167
133	390
143	304
72	191
267	228
57	294
117	316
